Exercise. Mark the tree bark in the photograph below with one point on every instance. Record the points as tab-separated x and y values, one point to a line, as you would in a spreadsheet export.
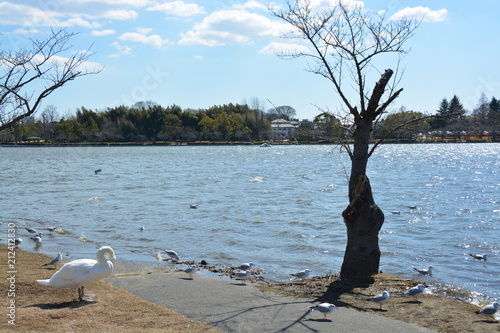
363	219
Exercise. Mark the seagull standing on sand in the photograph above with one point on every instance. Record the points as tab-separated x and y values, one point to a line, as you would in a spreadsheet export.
415	291
172	254
54	261
381	298
489	310
301	275
479	256
324	308
424	271
243	276
80	272
190	270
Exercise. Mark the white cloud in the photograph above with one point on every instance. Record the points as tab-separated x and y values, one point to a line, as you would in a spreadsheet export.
60	61
420	12
77	22
251	5
319	5
284	48
103	32
126	50
178	8
23	15
21	31
121	15
232	27
141	37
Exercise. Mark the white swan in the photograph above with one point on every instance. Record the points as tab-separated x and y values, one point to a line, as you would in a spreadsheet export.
77	273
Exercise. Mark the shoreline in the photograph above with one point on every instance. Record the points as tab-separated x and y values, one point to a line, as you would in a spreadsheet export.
219	143
232	306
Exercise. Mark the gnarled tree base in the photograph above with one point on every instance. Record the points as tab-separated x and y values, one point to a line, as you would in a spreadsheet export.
363	219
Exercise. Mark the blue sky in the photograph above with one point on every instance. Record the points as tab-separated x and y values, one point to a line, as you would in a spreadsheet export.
197	54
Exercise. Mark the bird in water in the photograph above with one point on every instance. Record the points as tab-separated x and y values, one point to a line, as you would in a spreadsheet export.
246	266
81	272
172	254
479	256
301	275
424	271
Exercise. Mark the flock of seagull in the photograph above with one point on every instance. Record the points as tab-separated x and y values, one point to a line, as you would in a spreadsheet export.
77	273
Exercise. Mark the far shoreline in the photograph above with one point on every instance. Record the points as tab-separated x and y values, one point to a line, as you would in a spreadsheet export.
221	143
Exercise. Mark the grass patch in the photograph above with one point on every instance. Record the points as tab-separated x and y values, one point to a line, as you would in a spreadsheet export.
41	308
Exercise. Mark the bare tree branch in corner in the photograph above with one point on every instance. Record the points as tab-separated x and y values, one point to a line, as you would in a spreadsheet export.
23	72
344	40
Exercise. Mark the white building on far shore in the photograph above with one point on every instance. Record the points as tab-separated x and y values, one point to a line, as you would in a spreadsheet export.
282	129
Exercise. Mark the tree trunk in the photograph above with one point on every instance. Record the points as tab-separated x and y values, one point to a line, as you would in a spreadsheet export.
363	219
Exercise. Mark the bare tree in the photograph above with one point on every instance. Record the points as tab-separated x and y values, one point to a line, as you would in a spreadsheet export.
345	41
23	71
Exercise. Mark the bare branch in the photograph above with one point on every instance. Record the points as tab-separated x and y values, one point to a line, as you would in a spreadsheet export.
43	63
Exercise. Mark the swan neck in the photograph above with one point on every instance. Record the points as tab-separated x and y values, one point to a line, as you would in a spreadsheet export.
101	256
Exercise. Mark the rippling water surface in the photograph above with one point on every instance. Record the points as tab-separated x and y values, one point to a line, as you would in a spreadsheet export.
279	207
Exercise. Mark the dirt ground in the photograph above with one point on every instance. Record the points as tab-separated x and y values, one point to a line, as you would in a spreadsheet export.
437	312
43	309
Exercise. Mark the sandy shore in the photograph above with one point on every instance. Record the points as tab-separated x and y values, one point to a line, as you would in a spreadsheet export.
152	299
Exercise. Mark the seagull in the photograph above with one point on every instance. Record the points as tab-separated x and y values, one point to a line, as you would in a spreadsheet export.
141	228
40	234
80	272
301	274
51	230
190	270
18	241
396	212
193	206
415	291
246	266
31	231
424	271
381	298
412	207
243	276
324	308
489	310
172	254
479	256
97	171
54	261
37	240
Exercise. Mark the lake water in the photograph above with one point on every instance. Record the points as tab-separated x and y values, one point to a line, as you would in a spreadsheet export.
279	207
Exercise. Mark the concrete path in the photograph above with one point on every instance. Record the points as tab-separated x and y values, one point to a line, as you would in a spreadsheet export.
235	307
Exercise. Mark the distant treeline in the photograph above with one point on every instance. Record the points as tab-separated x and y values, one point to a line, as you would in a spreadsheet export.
150	122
